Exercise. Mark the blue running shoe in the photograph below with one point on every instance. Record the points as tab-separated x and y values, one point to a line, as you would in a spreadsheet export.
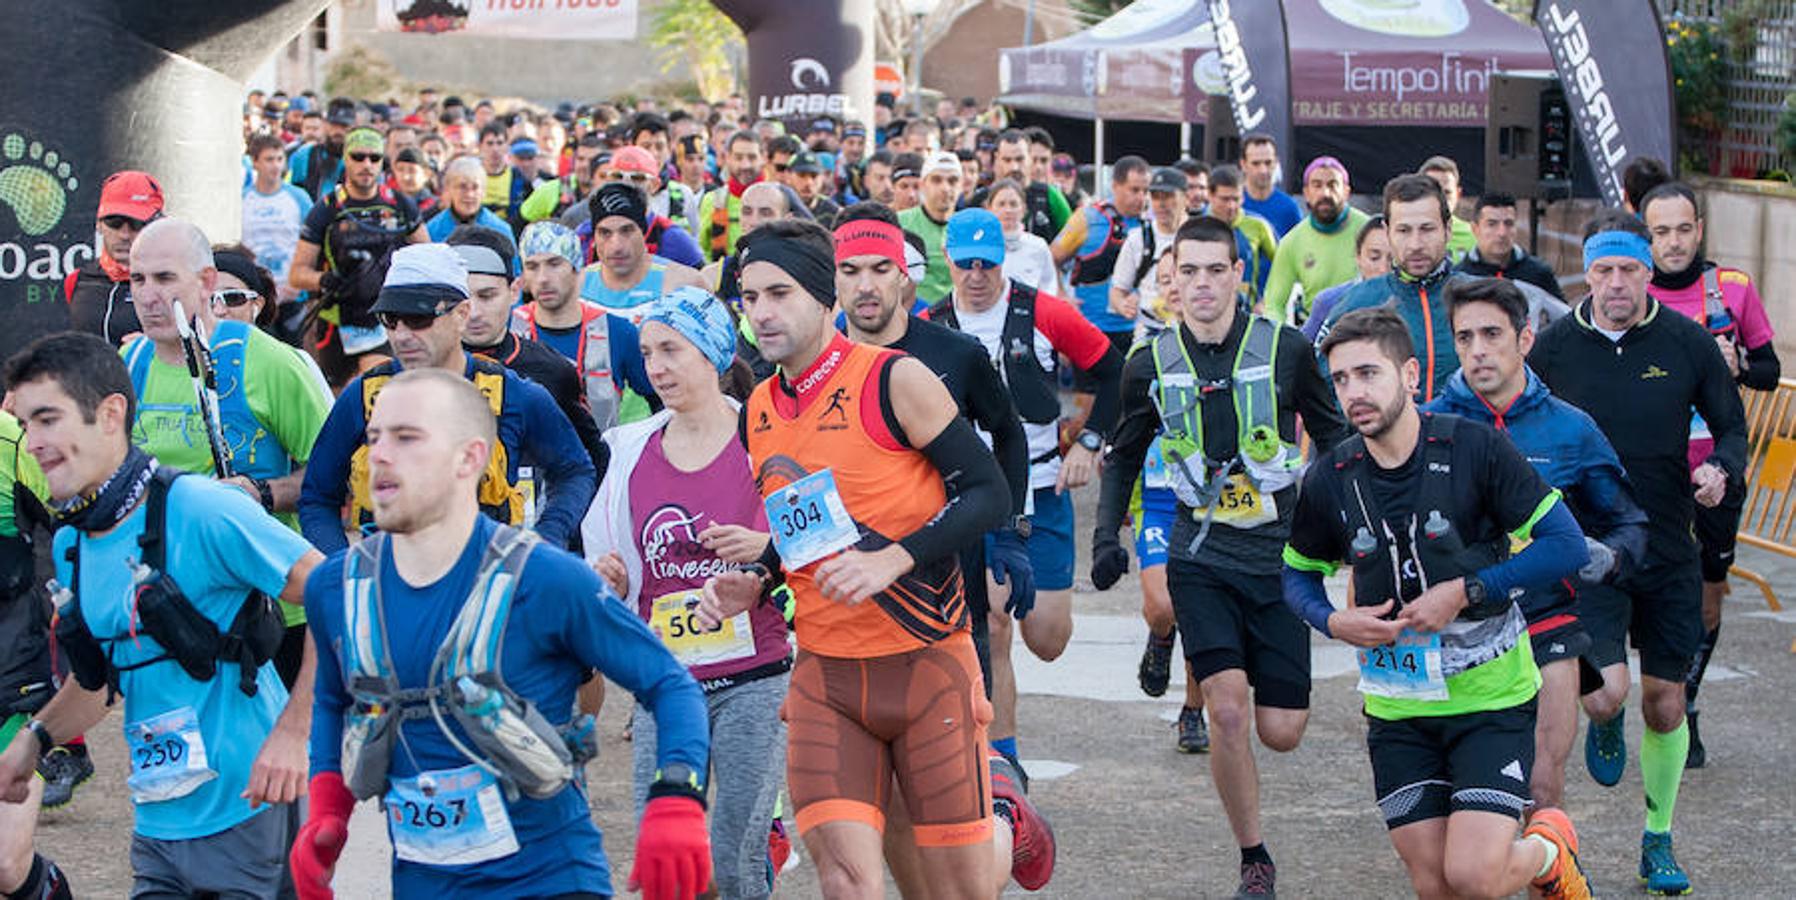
1659	869
1606	749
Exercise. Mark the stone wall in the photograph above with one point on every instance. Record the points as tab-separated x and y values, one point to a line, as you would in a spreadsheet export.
1751	225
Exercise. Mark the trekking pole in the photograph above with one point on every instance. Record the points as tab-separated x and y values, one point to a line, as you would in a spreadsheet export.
205	387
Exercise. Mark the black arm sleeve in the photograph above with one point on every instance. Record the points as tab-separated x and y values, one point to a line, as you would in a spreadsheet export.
990	407
1761	369
1107	403
1128	448
977	498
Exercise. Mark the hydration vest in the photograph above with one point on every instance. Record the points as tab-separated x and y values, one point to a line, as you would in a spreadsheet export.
632	302
359	245
187	637
500	497
1031	385
1270	462
1039	217
1478	634
593	359
511	739
1095	267
1716	316
254	451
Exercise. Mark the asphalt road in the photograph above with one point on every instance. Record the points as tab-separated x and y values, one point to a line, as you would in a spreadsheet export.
1135	818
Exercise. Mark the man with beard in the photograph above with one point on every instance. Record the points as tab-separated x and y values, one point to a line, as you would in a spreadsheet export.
1319	252
1724	300
876	179
720	211
1047	208
342	257
423	308
1423	507
1259	162
318	165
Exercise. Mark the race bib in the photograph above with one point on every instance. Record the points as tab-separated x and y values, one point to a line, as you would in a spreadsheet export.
168	757
451	817
527	487
809	521
357	340
1699	427
1154	474
1240	505
1408	669
674	619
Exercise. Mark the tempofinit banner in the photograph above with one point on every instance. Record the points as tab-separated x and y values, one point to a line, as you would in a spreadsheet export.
1611	58
613	20
1256	61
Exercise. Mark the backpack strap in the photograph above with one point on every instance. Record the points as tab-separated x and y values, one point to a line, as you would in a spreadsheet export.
152	543
473	644
1713	304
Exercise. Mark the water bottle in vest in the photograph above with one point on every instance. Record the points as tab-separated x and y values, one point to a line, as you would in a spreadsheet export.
486	709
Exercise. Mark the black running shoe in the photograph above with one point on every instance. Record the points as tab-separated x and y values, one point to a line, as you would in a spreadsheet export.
1156	664
1258	882
1194	733
63	770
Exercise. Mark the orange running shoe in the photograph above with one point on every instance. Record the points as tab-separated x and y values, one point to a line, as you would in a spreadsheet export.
1565	881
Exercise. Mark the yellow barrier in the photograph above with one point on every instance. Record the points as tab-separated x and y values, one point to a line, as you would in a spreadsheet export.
1768	520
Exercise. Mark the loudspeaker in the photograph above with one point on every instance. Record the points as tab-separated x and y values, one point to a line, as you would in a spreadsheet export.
1529	143
1222	140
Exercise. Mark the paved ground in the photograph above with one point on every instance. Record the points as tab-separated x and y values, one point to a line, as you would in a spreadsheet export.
1137	819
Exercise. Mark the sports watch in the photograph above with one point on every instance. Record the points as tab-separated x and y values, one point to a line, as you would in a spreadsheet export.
677	780
1022	527
1091	440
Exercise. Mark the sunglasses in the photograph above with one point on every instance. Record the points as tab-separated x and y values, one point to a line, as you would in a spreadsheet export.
235	297
637	178
975	265
367	157
411	321
120	223
782	167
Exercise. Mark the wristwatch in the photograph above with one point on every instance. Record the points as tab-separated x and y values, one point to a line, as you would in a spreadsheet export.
1022	527
1474	592
264	493
677	780
44	741
1091	440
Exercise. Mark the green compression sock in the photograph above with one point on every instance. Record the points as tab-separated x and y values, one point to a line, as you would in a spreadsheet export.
1661	768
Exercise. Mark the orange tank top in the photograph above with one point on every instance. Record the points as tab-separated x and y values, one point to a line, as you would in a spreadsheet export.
834	419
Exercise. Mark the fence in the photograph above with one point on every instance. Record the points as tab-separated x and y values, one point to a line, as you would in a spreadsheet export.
1759	76
1769	518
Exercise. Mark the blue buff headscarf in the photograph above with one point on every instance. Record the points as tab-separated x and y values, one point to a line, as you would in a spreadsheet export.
1617	243
701	319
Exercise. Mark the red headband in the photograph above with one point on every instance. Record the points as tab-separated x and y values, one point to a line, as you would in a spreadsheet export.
870	237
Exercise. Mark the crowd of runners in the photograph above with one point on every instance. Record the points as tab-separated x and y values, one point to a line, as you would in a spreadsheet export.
778	431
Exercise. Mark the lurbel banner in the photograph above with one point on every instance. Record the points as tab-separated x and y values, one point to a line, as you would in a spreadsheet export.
807	60
613	20
1611	58
1256	63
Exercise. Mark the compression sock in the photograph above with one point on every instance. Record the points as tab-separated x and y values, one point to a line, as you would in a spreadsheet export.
1549	858
44	882
1255	854
1006	746
1661	768
1703	654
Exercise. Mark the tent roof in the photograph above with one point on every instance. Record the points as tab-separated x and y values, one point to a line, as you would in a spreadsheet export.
1353	62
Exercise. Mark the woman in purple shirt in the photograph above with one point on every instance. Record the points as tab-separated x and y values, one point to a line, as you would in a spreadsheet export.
678	504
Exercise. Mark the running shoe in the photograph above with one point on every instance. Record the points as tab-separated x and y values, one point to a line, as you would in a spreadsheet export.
1194	733
779	848
63	769
1258	882
1156	664
1566	880
1606	749
1659	869
1032	845
1698	756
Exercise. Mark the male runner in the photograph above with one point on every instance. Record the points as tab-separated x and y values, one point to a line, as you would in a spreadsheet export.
1317	253
462	821
1622	339
1134	294
1024	333
719	212
763	202
1231	457
422	303
213	737
463	183
1445	172
1091	242
873	482
1496	254
343	253
273	211
602	347
1046	209
269	402
625	280
1423	507
1255	239
99	291
1492	334
1259	161
938	191
1725	301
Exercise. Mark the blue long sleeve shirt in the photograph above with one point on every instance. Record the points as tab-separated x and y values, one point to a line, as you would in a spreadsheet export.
531	427
564	620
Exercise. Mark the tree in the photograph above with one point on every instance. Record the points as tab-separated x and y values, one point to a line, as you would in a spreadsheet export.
895	30
1093	11
694	31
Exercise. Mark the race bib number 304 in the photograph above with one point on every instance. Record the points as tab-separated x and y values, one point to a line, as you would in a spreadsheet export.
809	521
450	817
1408	668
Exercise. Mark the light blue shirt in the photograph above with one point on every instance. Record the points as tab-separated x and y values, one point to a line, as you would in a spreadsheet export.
219	545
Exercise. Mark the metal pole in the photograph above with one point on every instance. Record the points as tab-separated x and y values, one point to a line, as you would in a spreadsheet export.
916	66
1029	23
1099	182
1184	139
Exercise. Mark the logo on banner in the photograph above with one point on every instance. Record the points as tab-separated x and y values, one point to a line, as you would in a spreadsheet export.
1241	90
811	94
37	187
1583	75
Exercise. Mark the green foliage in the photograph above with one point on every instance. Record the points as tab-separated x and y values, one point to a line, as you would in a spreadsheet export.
694	31
1094	11
1699	82
1786	132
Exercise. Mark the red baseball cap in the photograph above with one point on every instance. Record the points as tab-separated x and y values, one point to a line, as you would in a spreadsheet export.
634	159
130	193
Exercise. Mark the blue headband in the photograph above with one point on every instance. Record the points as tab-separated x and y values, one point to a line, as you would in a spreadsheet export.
699	318
1617	243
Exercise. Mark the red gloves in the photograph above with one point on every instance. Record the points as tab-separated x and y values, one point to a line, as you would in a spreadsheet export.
320	839
673	850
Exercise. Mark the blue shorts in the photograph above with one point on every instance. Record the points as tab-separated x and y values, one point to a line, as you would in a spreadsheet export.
1051	540
1153	525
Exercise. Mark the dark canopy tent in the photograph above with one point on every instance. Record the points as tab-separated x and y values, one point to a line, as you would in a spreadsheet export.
1383	86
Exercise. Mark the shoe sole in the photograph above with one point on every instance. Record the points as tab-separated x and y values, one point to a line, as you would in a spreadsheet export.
1667	893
